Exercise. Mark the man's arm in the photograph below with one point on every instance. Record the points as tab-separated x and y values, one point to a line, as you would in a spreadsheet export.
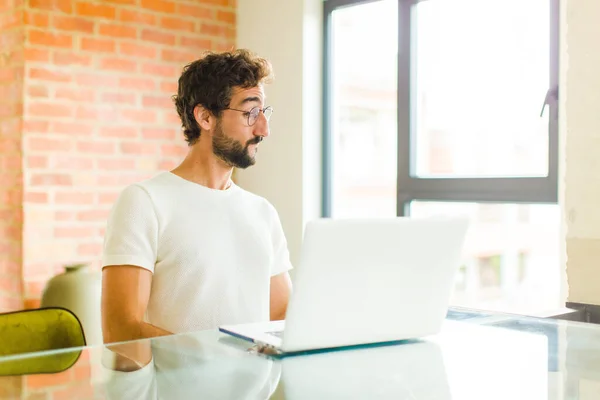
125	294
281	287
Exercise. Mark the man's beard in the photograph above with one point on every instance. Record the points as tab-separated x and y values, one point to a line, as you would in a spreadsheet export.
231	151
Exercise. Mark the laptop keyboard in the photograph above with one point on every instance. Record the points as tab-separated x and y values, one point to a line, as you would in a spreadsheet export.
278	334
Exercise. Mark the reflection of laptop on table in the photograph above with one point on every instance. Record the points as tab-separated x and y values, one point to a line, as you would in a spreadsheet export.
366	281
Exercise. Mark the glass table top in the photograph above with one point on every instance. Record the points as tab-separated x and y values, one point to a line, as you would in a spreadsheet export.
478	355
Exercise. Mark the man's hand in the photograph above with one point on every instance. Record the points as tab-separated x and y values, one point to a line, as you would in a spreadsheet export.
281	287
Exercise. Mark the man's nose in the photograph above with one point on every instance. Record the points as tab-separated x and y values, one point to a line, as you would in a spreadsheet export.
261	127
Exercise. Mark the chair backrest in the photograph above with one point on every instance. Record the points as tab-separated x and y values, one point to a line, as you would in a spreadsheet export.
37	330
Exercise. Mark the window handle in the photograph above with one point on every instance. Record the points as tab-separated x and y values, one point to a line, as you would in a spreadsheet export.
551	95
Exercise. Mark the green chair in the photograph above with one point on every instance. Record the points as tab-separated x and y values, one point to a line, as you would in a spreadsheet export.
37	330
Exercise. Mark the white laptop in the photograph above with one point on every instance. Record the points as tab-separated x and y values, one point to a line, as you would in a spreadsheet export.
366	281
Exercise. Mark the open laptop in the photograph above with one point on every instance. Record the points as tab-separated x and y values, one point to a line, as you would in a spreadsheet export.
366	281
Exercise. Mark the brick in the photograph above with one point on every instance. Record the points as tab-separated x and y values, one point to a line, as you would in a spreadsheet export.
226	16
198	12
171	117
9	267
72	163
97	80
96	10
62	58
173	150
107	180
71	128
9	144
11	110
40	109
118	31
195	43
42	38
159	70
11	91
139	84
64	216
178	56
95	113
217	2
139	116
138	148
151	35
162	6
11	127
45	74
11	232
48	145
10	304
36	197
33	54
217	30
167	165
15	55
36	19
123	2
37	162
223	46
116	164
93	215
10	75
108	198
98	45
42	179
96	147
89	249
136	17
73	24
118	64
73	198
157	102
169	87
34	288
10	162
10	285
163	134
37	91
74	232
119	132
77	95
10	19
64	6
120	98
135	50
35	126
178	24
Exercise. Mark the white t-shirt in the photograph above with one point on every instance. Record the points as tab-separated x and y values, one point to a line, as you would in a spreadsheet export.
212	252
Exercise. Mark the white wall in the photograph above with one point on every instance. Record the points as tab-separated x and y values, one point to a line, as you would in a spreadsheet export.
288	168
580	123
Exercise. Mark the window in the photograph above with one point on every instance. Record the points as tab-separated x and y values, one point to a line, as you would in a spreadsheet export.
450	106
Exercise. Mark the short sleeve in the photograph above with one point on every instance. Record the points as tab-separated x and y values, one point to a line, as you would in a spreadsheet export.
281	259
132	231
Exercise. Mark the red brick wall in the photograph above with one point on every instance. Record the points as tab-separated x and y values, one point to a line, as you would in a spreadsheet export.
11	186
98	81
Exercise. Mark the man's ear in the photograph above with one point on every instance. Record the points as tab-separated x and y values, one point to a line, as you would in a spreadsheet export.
204	118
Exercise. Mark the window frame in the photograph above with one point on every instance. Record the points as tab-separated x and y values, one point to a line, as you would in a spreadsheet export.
409	187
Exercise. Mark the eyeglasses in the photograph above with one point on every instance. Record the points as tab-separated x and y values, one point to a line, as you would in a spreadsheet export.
252	115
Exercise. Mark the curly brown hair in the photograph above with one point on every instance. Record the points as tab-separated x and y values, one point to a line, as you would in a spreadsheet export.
209	82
